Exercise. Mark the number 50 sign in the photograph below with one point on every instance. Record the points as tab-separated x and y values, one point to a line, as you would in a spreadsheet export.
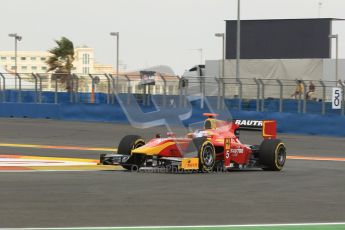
337	96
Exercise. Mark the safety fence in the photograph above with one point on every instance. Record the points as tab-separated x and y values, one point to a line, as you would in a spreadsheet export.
249	94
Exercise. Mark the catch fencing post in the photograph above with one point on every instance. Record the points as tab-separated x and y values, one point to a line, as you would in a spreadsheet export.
164	89
3	87
179	79
280	95
40	88
218	93
92	95
148	102
115	87
323	97
56	91
71	88
180	90
257	94
202	91
36	93
128	89
108	94
144	94
262	94
0	89
76	92
20	88
223	93
239	94
185	92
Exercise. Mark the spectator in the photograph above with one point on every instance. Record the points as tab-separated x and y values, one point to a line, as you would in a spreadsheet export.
311	91
299	91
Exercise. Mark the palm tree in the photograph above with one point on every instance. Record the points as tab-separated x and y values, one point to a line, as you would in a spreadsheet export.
61	61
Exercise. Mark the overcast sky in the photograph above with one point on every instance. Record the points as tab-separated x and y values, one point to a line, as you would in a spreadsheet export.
152	32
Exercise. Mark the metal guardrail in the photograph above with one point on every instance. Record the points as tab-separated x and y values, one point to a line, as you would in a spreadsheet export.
240	92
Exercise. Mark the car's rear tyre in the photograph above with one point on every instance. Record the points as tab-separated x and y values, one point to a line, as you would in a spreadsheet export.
272	155
127	144
206	154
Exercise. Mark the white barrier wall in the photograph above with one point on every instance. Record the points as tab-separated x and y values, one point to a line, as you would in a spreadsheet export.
287	70
305	69
329	69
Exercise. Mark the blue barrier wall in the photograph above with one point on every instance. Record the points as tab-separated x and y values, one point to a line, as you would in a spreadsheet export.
30	110
311	124
270	104
333	125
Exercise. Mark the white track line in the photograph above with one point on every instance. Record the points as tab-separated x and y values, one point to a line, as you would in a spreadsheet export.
24	162
187	226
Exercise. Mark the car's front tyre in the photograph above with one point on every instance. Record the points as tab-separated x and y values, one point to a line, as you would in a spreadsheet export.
206	154
126	145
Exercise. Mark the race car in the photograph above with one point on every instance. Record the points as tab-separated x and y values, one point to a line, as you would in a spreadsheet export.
216	146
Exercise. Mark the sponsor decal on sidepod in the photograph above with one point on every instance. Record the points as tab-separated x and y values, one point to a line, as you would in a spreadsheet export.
248	123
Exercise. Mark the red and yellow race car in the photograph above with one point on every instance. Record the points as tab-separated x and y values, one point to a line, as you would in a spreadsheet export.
215	147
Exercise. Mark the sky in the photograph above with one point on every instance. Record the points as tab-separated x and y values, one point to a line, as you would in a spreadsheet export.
152	32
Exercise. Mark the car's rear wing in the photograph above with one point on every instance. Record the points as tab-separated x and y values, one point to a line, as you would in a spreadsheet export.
268	127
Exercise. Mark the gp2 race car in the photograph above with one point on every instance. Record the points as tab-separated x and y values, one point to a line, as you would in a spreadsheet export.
216	146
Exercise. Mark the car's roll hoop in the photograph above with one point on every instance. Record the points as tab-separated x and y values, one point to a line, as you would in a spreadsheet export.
210	115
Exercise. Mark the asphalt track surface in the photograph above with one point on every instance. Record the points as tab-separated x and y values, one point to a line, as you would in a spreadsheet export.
305	191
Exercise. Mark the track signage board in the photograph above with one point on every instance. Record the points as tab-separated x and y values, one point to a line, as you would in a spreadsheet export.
337	96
